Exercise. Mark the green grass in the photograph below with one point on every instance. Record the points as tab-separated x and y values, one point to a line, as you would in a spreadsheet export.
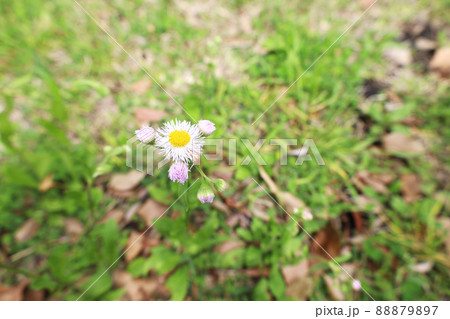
57	66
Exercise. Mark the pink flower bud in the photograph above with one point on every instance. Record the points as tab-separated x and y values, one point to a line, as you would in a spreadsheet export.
356	285
207	127
306	214
179	172
205	194
145	134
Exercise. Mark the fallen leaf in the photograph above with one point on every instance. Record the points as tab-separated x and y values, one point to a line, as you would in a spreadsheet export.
13	293
256	272
363	202
291	203
401	143
140	289
151	210
400	56
425	44
114	214
144	115
73	226
46	183
134	246
260	207
441	62
410	185
365	3
364	178
131	212
333	288
103	114
328	239
423	268
125	181
142	86
229	245
34	295
300	288
294	272
27	230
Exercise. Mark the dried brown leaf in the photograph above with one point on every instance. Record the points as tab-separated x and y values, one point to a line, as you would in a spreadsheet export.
142	86
291	203
136	289
293	272
144	115
423	268
46	183
327	238
151	210
410	184
229	245
73	226
401	143
441	62
114	214
27	230
333	288
13	293
365	178
400	56
125	181
300	288
34	295
134	246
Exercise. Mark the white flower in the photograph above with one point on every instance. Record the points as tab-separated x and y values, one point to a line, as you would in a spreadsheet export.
180	141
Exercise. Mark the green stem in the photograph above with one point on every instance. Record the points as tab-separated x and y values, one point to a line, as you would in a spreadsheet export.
203	174
17	271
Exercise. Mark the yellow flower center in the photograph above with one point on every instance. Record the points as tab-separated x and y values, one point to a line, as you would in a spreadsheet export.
179	138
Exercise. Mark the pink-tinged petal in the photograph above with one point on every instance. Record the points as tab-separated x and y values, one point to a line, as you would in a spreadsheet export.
356	285
207	127
205	194
145	134
179	172
306	214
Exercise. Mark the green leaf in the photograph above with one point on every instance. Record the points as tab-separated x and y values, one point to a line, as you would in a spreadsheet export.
178	283
276	283
252	256
244	233
163	259
43	282
260	292
242	173
113	295
139	267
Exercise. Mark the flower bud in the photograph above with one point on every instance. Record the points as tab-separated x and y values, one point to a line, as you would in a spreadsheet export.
205	194
356	285
179	172
306	214
220	185
206	127
145	134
